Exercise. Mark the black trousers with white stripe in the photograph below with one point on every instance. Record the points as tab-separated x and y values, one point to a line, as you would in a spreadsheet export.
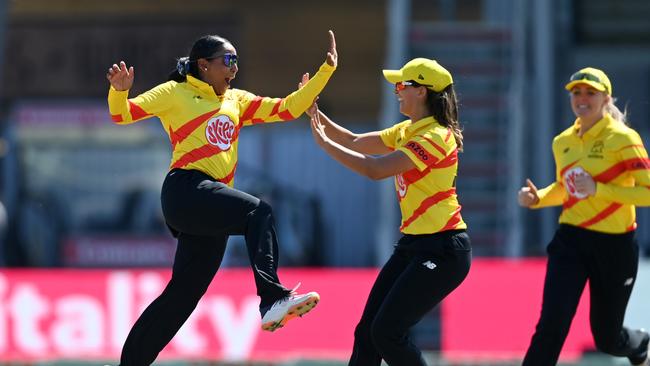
422	271
609	262
202	213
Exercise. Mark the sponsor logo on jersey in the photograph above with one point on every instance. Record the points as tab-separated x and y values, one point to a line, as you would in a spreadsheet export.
220	131
570	181
419	151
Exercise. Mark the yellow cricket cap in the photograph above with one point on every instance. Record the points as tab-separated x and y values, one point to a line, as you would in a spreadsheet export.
595	78
424	72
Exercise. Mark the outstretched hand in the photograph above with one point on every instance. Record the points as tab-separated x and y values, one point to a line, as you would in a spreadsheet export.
332	55
527	195
120	77
317	128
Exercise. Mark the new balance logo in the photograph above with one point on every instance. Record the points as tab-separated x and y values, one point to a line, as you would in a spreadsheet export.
629	281
429	265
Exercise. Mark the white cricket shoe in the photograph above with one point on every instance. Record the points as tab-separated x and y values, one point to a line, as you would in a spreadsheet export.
288	308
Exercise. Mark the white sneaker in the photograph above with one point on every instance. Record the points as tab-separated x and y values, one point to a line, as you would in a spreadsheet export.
288	308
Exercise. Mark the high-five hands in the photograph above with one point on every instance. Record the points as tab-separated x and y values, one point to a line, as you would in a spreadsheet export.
317	128
120	77
332	55
527	195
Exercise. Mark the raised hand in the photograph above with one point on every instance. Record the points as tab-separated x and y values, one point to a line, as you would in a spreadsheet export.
304	80
332	55
527	195
120	77
317	128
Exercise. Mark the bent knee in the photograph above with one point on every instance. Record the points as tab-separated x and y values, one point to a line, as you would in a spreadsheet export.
263	209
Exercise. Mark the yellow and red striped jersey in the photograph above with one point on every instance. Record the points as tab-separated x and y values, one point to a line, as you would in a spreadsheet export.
426	194
203	127
613	154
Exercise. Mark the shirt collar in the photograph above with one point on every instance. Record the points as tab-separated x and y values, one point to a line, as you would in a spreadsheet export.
202	86
596	128
414	126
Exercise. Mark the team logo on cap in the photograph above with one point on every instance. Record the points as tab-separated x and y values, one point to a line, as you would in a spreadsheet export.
220	131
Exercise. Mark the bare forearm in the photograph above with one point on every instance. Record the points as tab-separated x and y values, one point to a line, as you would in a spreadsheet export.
338	134
362	164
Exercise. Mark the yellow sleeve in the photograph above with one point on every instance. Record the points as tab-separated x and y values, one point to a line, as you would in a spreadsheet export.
554	194
389	135
635	158
256	109
150	103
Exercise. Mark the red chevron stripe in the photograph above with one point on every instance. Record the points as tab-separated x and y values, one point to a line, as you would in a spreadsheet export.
448	161
637	164
570	202
601	215
286	115
440	149
611	173
426	204
252	108
137	112
229	177
568	167
197	154
188	127
276	107
117	118
448	135
414	174
453	221
640	146
202	152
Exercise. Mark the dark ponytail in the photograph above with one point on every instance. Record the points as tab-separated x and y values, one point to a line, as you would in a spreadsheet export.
204	47
443	106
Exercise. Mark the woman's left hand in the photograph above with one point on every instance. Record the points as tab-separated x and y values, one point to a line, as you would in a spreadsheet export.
317	128
332	55
585	184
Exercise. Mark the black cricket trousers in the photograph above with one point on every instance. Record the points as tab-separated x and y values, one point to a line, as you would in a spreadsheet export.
609	262
421	272
202	213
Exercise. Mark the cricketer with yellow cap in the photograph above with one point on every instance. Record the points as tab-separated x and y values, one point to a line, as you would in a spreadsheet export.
595	78
602	174
433	256
424	71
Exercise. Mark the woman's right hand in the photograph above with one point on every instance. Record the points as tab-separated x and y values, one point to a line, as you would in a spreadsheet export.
120	77
527	195
332	55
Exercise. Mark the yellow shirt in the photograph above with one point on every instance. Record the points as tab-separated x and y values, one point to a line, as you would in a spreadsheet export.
426	194
613	154
203	127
